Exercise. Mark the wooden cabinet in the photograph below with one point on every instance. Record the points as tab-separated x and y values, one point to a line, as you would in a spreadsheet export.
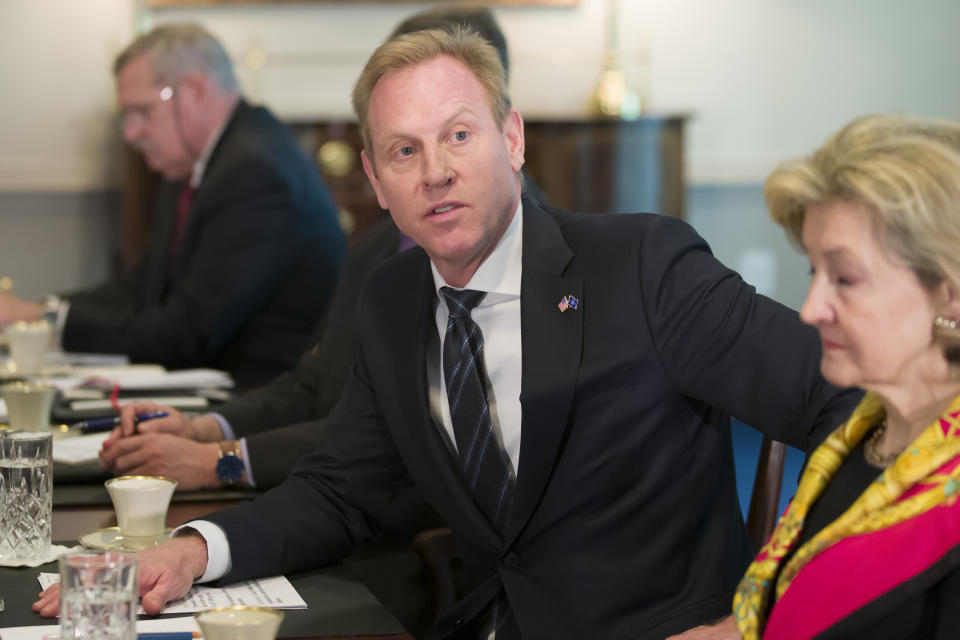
609	166
581	165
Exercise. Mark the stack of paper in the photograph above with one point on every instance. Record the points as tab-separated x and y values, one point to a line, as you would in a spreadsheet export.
78	450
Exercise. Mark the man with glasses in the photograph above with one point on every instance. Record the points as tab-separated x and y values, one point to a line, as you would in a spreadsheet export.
245	243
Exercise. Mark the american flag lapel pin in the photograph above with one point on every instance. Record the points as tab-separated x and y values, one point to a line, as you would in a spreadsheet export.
568	302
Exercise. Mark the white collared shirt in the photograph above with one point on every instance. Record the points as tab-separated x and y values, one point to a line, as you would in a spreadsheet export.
498	316
200	164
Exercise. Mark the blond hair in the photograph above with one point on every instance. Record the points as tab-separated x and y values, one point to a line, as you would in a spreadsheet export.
906	171
411	49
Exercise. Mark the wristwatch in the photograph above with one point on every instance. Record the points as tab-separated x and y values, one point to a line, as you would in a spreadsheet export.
230	469
51	309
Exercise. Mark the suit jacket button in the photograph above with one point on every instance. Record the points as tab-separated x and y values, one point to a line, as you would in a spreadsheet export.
511	561
459	622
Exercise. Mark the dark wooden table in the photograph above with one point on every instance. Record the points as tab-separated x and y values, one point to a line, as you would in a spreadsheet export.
340	606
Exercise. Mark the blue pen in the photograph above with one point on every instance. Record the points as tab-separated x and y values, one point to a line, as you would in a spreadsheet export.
106	424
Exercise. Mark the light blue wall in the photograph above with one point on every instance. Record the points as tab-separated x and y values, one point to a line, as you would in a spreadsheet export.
56	242
734	220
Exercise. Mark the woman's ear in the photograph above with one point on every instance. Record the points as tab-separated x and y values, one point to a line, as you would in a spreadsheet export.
948	300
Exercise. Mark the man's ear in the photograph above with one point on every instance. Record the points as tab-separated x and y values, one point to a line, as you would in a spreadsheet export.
513	136
193	88
371	172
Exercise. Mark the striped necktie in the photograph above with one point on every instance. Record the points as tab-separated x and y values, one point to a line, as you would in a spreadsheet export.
486	466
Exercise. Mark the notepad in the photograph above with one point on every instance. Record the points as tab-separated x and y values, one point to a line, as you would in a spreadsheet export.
177	402
275	592
49	631
78	450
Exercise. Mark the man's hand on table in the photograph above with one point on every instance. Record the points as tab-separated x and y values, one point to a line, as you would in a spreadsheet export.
14	309
166	573
726	629
191	464
201	428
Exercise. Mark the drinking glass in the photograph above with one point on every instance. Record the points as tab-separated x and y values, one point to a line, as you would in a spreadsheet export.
98	596
26	490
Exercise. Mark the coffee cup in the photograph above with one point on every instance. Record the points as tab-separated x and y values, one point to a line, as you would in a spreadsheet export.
28	405
239	623
28	343
141	504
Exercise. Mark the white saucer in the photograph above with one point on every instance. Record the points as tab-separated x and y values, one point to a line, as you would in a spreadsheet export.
109	539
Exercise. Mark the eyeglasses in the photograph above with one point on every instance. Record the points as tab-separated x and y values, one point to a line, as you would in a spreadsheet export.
140	114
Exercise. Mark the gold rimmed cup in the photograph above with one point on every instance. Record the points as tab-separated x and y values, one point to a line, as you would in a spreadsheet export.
28	404
239	623
141	504
28	343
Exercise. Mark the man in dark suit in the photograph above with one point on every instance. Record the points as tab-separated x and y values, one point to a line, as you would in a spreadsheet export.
271	427
277	422
557	385
245	242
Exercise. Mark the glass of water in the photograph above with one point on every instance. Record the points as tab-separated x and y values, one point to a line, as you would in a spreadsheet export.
98	596
26	491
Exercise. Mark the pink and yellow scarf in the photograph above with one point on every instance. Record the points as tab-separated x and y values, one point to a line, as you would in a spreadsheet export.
909	513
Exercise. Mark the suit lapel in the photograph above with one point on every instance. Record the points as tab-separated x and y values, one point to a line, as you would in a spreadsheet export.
211	173
552	345
158	266
440	466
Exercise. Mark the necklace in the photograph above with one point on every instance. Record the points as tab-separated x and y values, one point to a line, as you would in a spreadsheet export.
881	460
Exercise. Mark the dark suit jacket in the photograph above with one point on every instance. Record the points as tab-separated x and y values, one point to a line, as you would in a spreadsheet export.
255	267
279	420
300	398
626	522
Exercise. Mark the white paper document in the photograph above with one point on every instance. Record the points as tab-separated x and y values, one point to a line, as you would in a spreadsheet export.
78	359
177	402
52	631
155	377
79	449
275	592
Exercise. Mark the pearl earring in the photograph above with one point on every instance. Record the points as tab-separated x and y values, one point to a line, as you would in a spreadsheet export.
945	323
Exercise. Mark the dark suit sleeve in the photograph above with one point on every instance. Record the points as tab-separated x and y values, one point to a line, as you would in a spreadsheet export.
311	390
274	453
728	347
289	398
242	254
332	500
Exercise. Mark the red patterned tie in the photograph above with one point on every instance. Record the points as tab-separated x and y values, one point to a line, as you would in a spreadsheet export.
183	206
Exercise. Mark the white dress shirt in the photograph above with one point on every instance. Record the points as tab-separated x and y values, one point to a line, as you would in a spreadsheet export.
498	316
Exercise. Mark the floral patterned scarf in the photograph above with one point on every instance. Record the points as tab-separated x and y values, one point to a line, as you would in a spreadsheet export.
843	555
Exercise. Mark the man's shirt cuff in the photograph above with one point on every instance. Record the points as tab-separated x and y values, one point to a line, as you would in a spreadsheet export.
218	549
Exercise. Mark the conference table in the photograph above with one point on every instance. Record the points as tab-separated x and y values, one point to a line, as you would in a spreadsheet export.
339	605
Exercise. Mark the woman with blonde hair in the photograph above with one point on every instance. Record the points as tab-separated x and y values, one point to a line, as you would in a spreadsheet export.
870	544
